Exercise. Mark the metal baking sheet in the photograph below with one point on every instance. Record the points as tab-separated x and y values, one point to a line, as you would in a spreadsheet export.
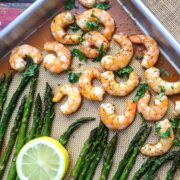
32	27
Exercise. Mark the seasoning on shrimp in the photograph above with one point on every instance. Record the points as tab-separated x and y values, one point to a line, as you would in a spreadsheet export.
74	98
58	28
123	58
115	88
165	131
91	39
97	15
114	121
85	85
151	54
91	3
18	56
58	61
157	110
154	80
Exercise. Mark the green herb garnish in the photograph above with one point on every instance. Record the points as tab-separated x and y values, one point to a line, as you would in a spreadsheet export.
164	72
175	123
101	54
139	57
165	134
73	77
176	141
125	71
103	5
74	27
162	91
92	25
77	53
81	39
143	87
69	4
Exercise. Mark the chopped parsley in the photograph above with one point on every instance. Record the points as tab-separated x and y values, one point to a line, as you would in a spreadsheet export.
69	4
73	77
103	5
101	54
81	39
162	91
176	141
77	53
175	123
164	72
125	71
139	57
74	27
143	87
166	134
92	25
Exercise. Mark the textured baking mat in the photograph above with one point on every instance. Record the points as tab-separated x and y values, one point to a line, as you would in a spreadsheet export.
168	13
89	108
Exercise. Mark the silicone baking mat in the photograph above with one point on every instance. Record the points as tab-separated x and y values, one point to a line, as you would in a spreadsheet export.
125	25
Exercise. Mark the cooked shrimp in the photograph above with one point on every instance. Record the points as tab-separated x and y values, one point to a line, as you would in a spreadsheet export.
90	3
93	38
99	15
74	98
114	121
85	85
151	54
164	144
156	111
58	28
17	58
59	62
154	80
123	58
176	111
115	88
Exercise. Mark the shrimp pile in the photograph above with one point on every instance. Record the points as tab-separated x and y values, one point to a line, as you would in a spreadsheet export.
156	111
18	55
74	98
114	121
154	80
123	58
97	15
90	3
85	85
115	88
58	28
151	54
96	39
164	144
59	62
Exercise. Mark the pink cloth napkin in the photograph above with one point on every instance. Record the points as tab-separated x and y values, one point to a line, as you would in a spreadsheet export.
7	15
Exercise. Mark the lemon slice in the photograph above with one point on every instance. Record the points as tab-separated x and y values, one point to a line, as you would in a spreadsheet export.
42	158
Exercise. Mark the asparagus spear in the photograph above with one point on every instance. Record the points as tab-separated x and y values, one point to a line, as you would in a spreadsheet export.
92	152
30	72
79	163
99	154
48	115
4	91
36	118
66	135
2	78
144	168
136	151
158	163
108	157
22	131
129	151
13	134
175	165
